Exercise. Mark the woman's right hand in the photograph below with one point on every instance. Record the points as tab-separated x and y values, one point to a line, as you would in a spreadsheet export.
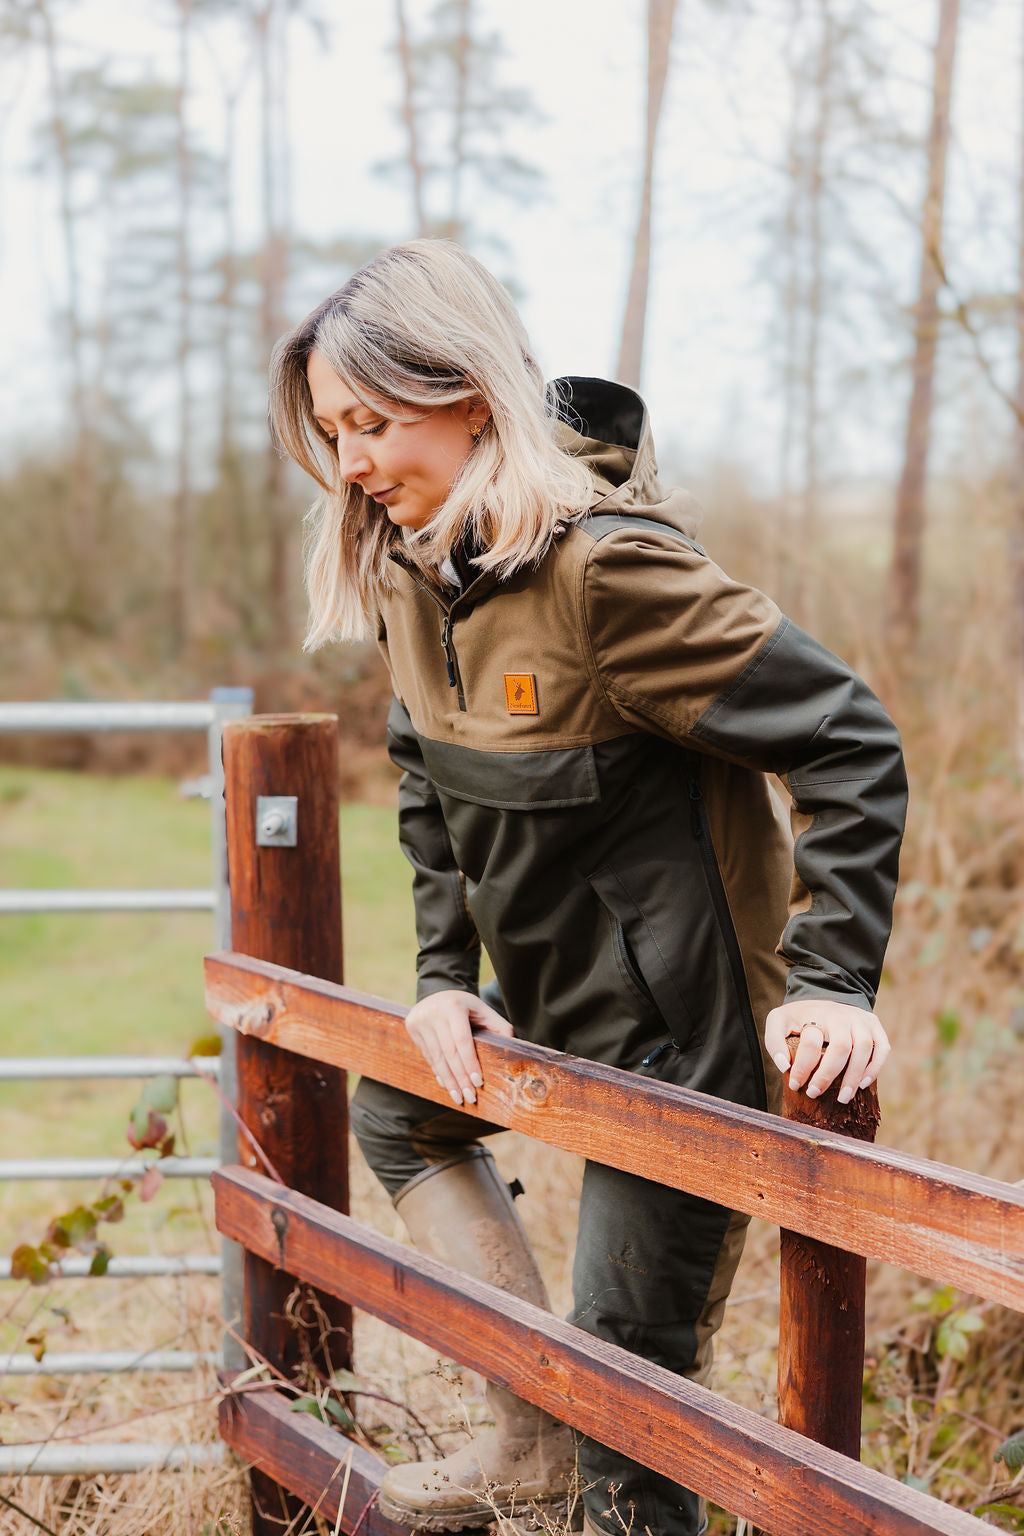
442	1027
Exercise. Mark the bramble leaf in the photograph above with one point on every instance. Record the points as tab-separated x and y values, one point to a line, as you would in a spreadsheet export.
152	1132
110	1208
100	1260
150	1182
1012	1451
26	1264
162	1094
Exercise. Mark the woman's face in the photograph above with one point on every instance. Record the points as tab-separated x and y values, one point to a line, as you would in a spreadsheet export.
407	466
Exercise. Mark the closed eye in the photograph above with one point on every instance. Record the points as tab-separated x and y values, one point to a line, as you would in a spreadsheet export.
372	431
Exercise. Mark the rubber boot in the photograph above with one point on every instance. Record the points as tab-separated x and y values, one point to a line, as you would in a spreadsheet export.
462	1213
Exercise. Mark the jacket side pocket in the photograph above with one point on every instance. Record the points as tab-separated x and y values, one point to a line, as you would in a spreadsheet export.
641	957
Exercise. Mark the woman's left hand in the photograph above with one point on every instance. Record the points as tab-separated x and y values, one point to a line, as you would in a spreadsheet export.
832	1036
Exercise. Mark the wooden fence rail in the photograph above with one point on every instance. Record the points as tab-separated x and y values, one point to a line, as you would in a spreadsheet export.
297	1035
956	1227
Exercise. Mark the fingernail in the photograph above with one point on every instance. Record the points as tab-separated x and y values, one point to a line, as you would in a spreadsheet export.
793	1082
782	1061
845	1095
812	1092
477	1080
864	1083
470	1096
455	1095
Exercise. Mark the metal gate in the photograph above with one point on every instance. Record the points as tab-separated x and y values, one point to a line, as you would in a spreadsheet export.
210	715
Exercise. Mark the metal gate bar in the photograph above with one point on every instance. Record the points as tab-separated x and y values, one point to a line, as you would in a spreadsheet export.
26	1069
111	1362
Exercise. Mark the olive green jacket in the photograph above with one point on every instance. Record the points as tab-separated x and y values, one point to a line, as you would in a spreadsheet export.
586	751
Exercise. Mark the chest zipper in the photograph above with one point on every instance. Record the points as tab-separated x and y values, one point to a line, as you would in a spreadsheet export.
451	661
719	901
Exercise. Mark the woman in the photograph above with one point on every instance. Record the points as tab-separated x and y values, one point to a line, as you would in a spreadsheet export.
586	711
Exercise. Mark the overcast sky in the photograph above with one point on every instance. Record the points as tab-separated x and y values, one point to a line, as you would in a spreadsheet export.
711	377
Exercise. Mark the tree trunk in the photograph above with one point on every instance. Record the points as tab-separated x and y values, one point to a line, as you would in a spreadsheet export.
84	511
908	524
810	508
411	121
183	573
784	533
461	47
274	266
660	20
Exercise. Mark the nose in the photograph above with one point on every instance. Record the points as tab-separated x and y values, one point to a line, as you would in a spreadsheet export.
353	459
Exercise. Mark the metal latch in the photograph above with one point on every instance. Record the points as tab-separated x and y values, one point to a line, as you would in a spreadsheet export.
277	821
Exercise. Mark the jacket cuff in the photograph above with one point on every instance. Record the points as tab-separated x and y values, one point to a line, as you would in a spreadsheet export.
807	986
453	976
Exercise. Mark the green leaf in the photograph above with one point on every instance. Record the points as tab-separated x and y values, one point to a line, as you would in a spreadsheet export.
345	1381
941	1300
162	1094
950	1341
206	1045
339	1413
948	1026
970	1322
73	1228
310	1405
26	1264
100	1260
110	1208
1012	1451
920	1483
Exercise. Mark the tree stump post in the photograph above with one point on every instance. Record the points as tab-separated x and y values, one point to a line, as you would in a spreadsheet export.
285	877
821	1318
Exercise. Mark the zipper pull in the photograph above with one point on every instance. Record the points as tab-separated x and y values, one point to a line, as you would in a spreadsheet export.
446	635
696	802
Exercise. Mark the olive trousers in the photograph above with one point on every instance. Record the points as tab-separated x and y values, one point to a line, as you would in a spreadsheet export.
652	1272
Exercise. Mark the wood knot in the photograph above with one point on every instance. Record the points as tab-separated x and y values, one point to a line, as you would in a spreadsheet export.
535	1089
254	1017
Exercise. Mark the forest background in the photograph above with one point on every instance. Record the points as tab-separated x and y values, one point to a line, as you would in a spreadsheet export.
796	225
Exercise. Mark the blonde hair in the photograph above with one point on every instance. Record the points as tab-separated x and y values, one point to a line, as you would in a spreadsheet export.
422	325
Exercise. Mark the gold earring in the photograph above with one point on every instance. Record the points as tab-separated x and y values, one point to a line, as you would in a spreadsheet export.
475	431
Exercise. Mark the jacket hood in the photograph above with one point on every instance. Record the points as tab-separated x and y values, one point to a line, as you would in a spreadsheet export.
607	426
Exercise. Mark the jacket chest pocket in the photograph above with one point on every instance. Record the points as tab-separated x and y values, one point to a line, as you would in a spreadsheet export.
514	781
641	957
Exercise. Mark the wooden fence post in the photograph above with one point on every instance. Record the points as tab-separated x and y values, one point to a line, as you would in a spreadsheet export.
821	1318
286	908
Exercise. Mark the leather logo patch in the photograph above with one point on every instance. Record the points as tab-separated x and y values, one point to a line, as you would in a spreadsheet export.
520	693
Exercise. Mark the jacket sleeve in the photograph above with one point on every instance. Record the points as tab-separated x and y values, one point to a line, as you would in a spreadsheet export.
716	667
449	947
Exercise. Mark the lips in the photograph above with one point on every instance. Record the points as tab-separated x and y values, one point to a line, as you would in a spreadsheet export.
384	496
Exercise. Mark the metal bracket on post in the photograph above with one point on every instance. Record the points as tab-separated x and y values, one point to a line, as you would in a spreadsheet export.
277	821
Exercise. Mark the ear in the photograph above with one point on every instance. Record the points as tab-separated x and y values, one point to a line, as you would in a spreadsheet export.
478	412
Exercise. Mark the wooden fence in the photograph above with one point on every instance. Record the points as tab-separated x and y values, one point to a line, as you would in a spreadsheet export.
839	1201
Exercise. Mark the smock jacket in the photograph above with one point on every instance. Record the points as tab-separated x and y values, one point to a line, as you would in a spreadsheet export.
585	751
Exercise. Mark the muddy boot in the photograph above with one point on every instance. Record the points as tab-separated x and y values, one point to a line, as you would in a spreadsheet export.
461	1212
